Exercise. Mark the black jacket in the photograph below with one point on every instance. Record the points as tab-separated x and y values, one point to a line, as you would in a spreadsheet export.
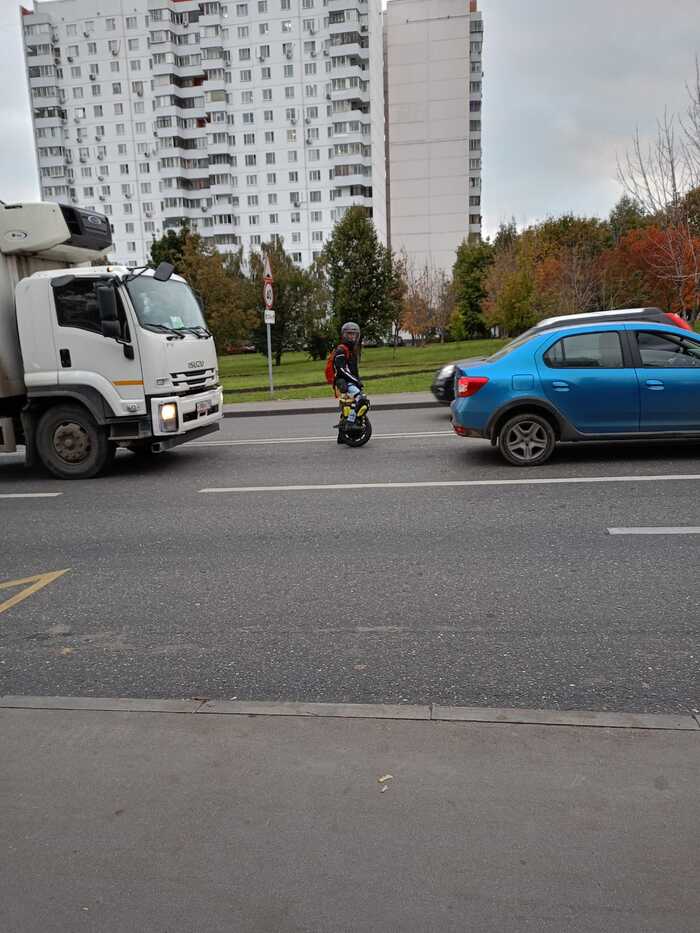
345	369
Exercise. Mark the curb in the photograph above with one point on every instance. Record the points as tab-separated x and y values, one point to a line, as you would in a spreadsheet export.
428	713
326	409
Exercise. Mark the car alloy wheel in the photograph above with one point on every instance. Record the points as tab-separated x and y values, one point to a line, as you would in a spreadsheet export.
527	440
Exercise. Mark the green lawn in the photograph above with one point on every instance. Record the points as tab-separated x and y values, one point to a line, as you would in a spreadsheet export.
406	369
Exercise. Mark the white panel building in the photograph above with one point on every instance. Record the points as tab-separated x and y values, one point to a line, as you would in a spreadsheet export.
434	95
247	120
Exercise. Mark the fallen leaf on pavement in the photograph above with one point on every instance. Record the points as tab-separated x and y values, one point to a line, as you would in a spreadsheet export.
384	778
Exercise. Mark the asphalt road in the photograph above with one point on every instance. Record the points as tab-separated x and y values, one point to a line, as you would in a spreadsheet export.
495	595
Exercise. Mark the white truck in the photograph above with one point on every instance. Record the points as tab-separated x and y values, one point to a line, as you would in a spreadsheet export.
95	357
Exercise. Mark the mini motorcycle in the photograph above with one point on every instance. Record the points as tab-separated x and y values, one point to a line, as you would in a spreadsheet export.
354	428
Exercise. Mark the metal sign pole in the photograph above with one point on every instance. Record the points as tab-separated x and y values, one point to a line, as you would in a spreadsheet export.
269	358
269	314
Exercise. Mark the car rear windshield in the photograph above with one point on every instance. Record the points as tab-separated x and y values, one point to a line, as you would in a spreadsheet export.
509	347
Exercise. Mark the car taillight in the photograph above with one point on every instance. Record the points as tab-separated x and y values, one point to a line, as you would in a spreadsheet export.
677	320
470	385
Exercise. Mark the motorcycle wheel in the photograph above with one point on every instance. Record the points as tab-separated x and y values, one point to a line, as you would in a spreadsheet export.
358	436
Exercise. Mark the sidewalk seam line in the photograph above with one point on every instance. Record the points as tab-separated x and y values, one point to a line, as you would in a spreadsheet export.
350	711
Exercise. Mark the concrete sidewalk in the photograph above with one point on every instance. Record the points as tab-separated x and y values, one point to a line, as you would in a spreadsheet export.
194	820
316	406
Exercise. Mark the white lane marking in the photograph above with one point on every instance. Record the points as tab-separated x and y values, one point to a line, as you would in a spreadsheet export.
660	530
553	481
29	495
307	440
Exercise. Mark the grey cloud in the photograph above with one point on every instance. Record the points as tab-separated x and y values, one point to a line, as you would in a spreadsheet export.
565	86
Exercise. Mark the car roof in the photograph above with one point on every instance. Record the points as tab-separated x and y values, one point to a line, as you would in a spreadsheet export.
602	317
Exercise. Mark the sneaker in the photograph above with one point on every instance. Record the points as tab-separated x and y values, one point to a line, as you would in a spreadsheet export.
341	438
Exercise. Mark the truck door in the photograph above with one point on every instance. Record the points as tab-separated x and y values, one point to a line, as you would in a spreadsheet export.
89	359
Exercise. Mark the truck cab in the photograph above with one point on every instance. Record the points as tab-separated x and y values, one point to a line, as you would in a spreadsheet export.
94	357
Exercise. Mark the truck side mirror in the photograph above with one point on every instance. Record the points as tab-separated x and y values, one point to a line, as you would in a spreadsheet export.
163	272
107	307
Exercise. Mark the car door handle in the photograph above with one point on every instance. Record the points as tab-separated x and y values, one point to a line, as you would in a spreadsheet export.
656	385
560	385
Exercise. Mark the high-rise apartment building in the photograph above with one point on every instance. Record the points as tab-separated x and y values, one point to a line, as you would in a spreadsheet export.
434	94
247	120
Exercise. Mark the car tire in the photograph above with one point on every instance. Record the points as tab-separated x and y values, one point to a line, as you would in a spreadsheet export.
527	440
71	444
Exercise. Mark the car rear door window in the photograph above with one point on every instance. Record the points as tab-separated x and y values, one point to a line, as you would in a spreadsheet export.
667	351
601	350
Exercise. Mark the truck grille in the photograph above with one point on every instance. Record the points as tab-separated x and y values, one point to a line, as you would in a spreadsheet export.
193	379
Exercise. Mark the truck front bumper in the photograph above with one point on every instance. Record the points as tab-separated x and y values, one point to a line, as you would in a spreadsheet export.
193	412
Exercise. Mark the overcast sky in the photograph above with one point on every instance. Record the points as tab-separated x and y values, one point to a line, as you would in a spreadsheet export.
566	84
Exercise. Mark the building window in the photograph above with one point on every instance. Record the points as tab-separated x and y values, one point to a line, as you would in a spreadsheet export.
289	92
267	94
272	199
248	118
246	76
72	29
96	90
315	196
249	139
241	9
243	32
316	217
135	64
288	71
121	149
286	25
268	116
266	75
272	179
114	67
77	93
131	22
251	181
315	175
317	236
269	158
92	48
274	218
133	45
75	71
285	4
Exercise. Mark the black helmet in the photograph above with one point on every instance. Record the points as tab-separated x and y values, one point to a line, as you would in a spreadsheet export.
350	333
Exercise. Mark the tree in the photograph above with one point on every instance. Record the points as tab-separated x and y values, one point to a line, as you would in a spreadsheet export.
357	275
473	261
627	215
170	247
396	292
293	289
227	302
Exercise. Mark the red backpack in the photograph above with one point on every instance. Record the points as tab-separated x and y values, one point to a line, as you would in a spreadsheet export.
330	371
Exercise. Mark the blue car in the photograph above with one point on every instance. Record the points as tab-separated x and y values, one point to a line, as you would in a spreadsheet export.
615	375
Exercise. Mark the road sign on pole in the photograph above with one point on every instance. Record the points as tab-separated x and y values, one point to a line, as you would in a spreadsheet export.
269	314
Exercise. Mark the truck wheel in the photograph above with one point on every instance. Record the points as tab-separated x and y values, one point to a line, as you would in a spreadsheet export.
71	444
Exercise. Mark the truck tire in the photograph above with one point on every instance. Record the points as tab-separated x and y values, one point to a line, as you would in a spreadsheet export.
71	444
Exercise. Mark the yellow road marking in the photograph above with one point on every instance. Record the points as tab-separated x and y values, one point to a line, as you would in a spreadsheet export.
31	585
128	382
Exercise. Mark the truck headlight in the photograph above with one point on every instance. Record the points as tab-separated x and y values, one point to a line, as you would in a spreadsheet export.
167	413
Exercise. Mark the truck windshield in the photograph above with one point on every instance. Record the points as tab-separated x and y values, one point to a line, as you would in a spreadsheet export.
168	304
